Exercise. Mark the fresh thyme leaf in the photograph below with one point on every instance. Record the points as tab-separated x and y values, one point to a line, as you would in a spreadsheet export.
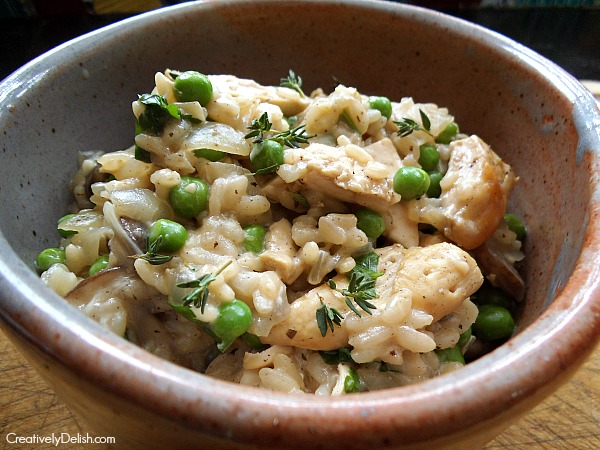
293	137
259	127
327	317
361	284
425	120
407	126
334	357
293	82
199	295
152	256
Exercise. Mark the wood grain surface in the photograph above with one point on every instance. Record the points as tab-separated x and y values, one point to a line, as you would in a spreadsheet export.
569	419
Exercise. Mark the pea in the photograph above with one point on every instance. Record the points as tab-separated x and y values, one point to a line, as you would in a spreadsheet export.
464	338
491	295
411	182
255	238
100	264
65	233
48	257
446	136
172	235
210	154
516	225
370	222
234	319
428	157
381	104
352	382
266	156
189	198
452	354
493	322
434	190
193	86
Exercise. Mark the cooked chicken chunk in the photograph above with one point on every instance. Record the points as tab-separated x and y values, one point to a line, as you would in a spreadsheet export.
437	278
475	190
348	173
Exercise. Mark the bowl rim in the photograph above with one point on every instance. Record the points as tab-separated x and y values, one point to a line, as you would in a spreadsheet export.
50	324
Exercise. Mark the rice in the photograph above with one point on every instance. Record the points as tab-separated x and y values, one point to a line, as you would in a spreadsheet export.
328	301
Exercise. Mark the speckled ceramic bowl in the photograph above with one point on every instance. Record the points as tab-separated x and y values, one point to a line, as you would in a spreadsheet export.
535	115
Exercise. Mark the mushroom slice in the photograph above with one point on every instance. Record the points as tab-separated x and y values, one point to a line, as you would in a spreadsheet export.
119	300
499	271
126	239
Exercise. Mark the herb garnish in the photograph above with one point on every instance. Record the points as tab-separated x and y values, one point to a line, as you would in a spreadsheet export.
199	295
259	127
361	289
406	126
152	256
327	317
361	285
291	138
293	82
334	357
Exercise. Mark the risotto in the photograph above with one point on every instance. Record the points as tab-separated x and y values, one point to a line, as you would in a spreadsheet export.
328	243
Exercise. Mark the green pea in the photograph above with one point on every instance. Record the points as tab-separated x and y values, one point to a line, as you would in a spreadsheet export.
434	190
266	156
192	86
491	295
493	322
428	157
65	233
254	238
210	154
446	136
464	338
352	382
48	257
234	319
452	354
100	264
516	225
370	222
381	104
411	182
189	198
172	235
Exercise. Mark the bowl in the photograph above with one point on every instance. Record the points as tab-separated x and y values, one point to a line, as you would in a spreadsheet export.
535	115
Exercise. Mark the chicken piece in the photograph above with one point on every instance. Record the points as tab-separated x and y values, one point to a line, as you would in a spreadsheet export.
238	101
348	173
301	330
280	252
439	278
475	191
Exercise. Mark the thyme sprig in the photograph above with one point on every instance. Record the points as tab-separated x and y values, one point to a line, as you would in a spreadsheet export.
361	289
199	296
294	82
327	317
407	126
258	128
152	256
292	138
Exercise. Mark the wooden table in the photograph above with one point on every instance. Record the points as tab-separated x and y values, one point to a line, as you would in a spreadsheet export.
569	420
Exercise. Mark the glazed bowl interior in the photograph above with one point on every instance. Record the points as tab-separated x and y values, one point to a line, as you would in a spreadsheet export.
533	114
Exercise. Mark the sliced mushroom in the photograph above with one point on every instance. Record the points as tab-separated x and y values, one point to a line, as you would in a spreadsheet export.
118	299
127	235
499	271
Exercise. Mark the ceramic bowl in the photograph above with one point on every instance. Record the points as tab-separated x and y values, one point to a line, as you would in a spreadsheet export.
535	115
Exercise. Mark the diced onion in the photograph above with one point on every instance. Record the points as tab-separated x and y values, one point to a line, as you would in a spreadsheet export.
217	136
